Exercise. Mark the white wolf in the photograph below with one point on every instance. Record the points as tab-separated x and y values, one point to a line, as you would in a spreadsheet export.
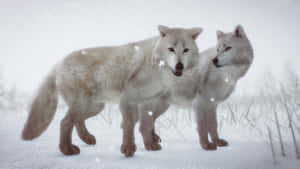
127	74
203	88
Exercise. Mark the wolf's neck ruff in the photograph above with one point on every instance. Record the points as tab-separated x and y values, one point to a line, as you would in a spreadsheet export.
235	71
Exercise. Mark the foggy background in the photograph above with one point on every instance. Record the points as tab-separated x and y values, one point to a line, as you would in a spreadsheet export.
34	35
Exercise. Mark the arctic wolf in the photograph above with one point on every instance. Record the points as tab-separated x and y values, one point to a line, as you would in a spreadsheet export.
127	74
203	88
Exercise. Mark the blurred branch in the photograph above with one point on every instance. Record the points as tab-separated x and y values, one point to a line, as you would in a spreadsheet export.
232	113
279	134
271	143
284	102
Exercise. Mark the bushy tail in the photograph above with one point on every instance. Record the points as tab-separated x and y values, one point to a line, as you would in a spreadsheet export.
42	109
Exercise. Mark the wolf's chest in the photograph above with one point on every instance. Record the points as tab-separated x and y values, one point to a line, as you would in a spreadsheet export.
222	90
183	91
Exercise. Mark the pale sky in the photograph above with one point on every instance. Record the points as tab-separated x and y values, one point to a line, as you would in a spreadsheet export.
34	34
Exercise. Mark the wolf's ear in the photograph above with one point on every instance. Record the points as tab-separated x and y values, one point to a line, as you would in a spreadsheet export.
220	34
195	32
163	30
239	31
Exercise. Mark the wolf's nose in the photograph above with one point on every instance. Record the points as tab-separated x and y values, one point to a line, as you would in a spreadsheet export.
215	61
179	66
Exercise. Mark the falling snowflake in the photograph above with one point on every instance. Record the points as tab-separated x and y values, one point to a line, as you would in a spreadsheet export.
83	52
226	80
150	113
161	63
97	159
137	48
212	99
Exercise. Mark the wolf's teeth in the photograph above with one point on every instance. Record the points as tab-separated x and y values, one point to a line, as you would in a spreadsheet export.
150	113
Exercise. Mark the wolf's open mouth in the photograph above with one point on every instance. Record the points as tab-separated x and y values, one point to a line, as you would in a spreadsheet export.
177	73
218	66
215	62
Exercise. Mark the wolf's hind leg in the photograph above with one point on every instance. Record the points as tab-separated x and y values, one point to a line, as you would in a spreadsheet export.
82	131
155	136
159	111
66	128
84	134
213	129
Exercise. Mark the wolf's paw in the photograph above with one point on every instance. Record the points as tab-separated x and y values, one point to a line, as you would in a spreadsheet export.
209	146
128	149
220	142
152	146
156	138
69	150
89	139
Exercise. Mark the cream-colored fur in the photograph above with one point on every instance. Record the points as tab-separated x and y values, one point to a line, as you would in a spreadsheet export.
203	88
127	75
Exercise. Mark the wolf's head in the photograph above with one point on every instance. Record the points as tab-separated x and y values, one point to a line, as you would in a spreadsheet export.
177	48
233	48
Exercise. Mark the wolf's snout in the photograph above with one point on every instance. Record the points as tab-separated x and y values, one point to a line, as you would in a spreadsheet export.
179	66
178	69
216	61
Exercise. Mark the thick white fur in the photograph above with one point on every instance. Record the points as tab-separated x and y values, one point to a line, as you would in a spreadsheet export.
203	88
128	75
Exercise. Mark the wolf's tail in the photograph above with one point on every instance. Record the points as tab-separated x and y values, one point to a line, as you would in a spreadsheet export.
42	109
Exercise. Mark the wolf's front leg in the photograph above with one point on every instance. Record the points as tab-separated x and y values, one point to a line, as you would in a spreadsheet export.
148	113
213	128
201	111
129	114
147	131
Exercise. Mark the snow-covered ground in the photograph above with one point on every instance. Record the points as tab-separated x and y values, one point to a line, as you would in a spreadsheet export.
35	35
249	148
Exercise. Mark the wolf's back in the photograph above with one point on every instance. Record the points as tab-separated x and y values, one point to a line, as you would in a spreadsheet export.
42	109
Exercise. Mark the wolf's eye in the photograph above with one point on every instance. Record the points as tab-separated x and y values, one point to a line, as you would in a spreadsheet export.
171	49
186	50
227	48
